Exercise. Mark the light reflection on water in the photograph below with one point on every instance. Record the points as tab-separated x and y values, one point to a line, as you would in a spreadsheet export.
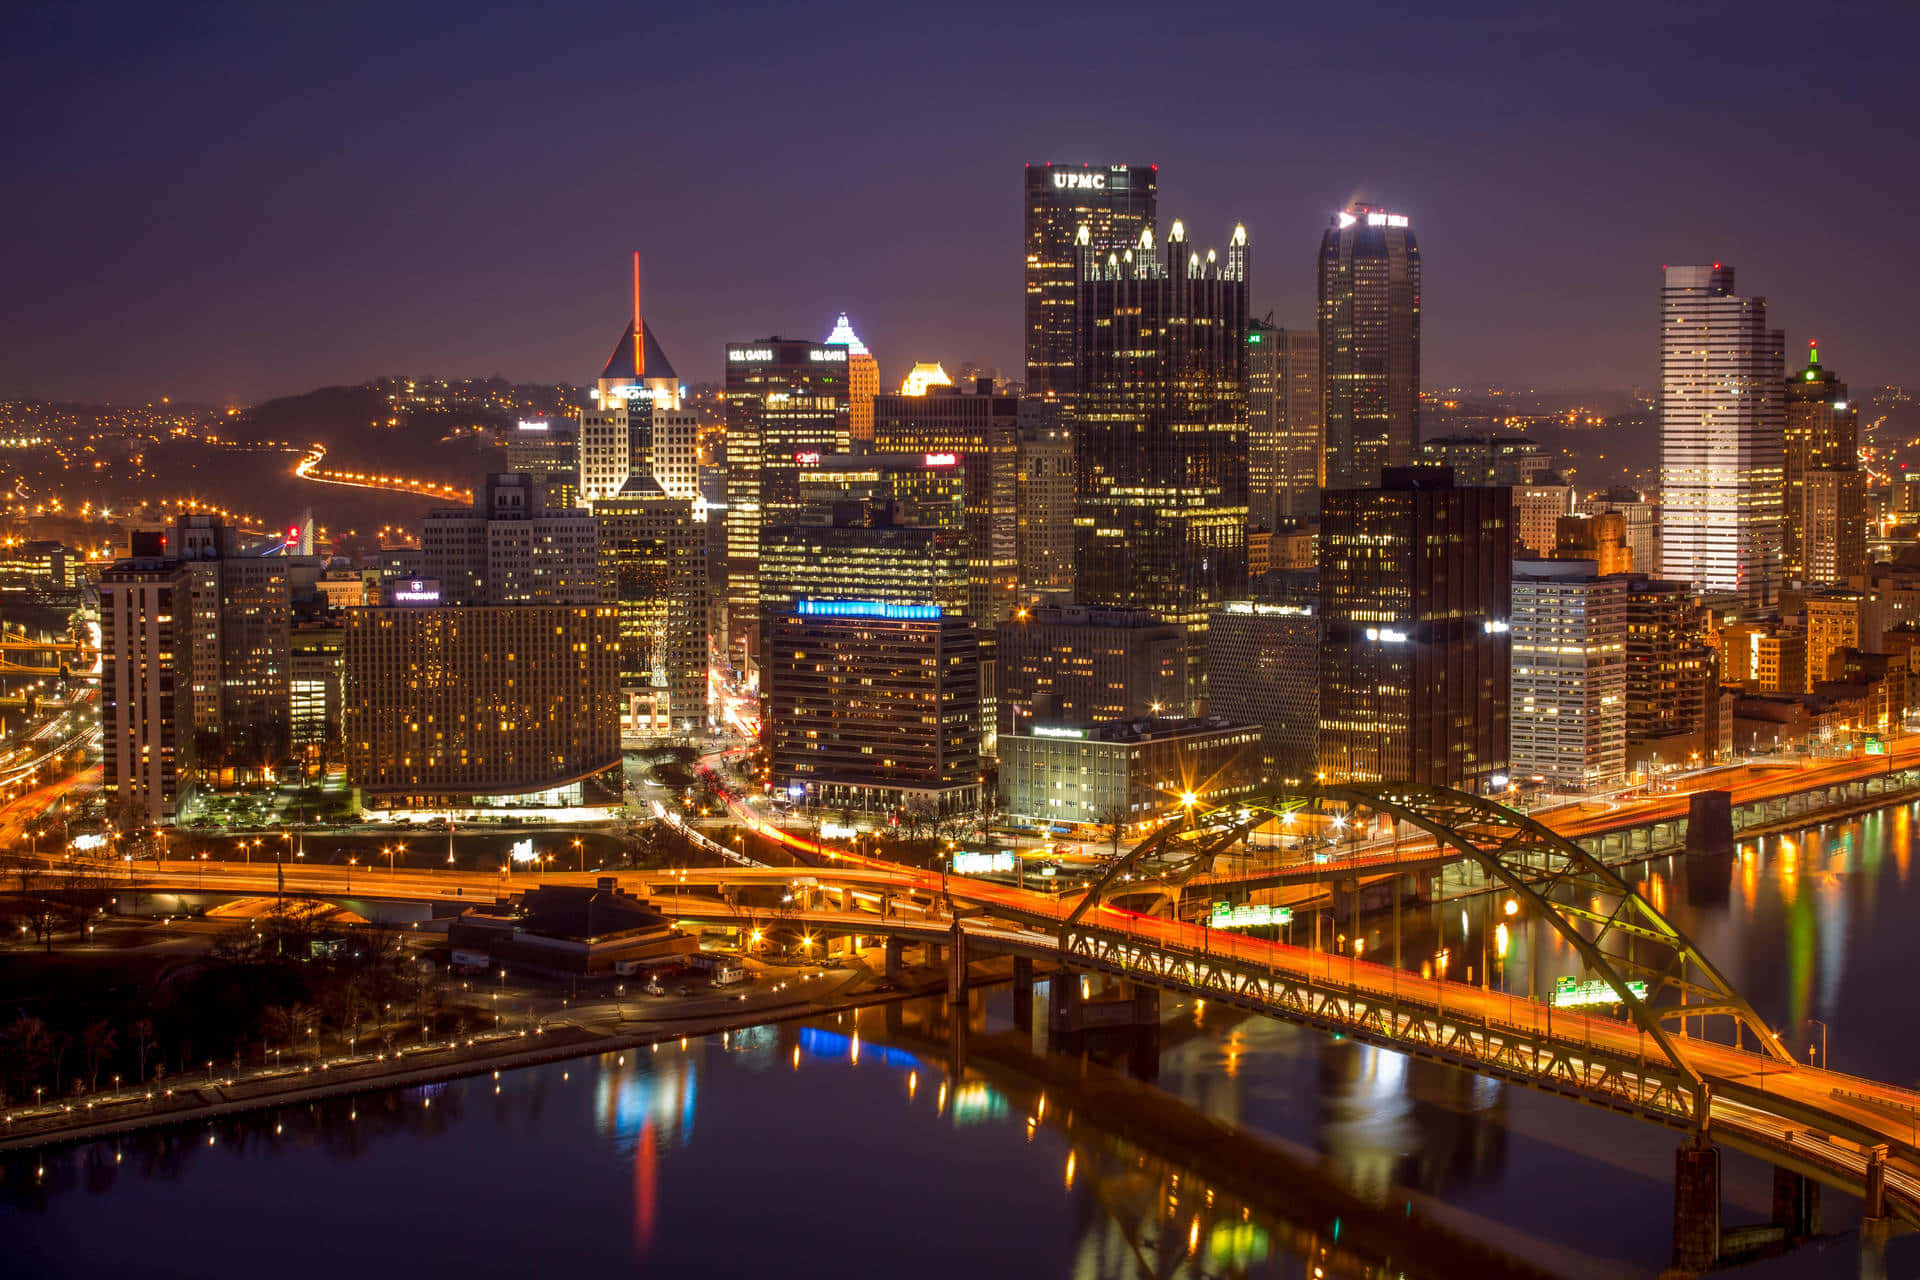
852	1144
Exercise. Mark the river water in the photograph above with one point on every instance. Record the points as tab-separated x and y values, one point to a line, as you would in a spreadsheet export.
851	1147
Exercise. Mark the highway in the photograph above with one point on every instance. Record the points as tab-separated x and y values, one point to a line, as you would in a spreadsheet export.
1770	1105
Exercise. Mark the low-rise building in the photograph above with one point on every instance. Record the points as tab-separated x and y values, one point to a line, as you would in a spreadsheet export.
570	929
1126	772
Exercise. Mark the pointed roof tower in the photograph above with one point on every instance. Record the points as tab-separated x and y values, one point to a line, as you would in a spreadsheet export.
638	361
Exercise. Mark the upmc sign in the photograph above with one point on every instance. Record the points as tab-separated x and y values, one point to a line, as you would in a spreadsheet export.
1080	181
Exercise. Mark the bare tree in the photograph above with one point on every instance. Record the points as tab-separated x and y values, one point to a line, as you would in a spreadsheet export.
1113	820
99	1043
143	1042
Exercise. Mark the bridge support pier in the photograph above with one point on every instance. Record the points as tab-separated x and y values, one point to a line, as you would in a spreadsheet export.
1796	1204
1710	822
1874	1203
896	960
1696	1205
1023	992
957	967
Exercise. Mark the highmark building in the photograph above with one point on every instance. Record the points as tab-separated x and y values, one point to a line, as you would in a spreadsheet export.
873	707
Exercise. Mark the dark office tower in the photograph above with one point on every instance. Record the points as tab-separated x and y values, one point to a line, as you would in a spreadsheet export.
1161	431
1115	203
978	432
1266	672
1825	490
787	406
1414	589
1369	344
1286	449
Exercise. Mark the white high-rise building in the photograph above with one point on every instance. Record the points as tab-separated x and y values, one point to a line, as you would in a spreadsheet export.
636	425
1567	719
1722	450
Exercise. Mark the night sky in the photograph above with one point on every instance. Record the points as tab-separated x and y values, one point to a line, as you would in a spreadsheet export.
232	202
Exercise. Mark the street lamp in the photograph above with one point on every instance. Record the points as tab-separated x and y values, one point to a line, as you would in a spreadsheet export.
580	849
1823	1041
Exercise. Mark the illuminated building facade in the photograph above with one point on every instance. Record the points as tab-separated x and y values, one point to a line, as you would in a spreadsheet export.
787	407
1076	664
873	707
1722	465
146	728
653	569
1825	493
1133	770
550	453
234	657
1568	699
1601	539
1265	660
980	433
1537	509
1674	706
636	423
1115	203
1369	344
863	378
1640	518
1286	457
459	708
316	689
1046	492
1484	460
511	547
1159	418
1414	591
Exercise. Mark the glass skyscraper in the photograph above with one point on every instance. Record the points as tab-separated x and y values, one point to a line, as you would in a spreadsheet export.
1115	203
1722	463
1160	430
1369	344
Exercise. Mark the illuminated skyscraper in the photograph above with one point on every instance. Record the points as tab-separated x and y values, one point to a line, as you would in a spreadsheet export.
1160	430
787	407
1722	466
1826	532
979	433
635	424
1286	459
653	568
1568	702
863	379
1046	485
1369	344
1115	203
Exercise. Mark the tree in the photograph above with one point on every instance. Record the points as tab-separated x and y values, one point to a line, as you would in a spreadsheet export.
143	1042
99	1043
1113	820
25	1049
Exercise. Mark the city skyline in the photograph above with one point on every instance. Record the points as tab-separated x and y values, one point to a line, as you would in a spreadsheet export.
309	245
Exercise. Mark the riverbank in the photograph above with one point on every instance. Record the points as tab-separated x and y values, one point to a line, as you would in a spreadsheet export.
609	1027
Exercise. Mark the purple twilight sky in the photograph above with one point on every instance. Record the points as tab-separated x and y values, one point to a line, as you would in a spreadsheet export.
235	201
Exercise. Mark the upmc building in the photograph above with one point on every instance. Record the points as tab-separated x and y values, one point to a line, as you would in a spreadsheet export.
1115	203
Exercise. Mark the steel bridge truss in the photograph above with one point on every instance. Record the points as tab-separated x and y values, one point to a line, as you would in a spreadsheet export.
1618	935
1649	1085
